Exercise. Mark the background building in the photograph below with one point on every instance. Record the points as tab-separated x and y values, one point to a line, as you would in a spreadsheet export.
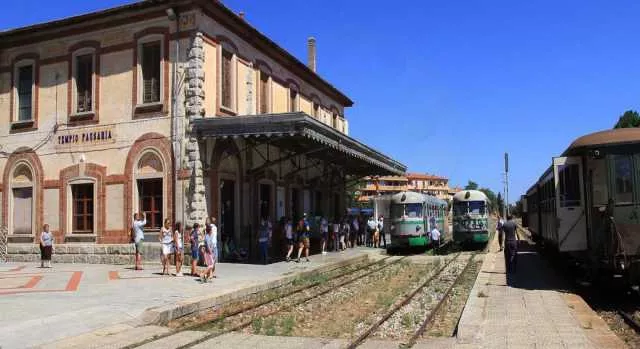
433	185
177	108
429	184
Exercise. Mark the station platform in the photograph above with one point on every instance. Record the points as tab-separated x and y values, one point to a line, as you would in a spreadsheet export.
531	309
42	306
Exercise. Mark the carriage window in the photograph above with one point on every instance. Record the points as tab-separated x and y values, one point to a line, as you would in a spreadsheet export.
624	179
476	207
569	180
460	208
407	210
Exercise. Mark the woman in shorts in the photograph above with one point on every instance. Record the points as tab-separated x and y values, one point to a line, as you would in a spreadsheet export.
209	255
194	240
166	240
288	233
178	244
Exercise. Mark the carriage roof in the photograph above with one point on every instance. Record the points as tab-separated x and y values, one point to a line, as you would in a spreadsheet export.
470	195
413	197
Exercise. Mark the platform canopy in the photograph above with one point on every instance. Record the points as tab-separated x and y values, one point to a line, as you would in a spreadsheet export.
299	134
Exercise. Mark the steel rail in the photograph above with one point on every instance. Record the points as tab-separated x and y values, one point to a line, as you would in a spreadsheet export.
254	306
628	318
289	306
399	305
432	314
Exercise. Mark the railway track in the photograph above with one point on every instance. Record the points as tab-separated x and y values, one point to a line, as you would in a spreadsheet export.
245	316
407	299
629	320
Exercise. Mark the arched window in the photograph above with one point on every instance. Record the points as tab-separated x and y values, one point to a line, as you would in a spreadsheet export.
149	175
22	203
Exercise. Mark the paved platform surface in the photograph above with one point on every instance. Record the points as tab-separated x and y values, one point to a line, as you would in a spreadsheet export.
530	309
41	306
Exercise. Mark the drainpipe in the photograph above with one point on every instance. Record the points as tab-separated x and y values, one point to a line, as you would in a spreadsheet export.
177	149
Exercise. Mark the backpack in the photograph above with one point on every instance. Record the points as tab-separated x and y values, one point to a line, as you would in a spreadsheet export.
132	235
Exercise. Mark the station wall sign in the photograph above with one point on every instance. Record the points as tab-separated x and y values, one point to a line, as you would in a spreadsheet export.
97	136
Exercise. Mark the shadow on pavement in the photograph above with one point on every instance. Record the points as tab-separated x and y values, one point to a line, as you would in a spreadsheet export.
534	273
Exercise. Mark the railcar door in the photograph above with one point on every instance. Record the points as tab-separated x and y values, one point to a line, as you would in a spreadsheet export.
571	233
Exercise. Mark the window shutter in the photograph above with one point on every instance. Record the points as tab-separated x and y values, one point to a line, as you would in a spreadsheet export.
226	79
84	82
151	72
25	88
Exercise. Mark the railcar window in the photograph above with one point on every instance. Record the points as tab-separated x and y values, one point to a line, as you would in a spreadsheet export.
569	180
624	179
407	210
460	208
476	207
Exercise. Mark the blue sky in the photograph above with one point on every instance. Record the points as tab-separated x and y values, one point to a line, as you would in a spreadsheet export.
447	87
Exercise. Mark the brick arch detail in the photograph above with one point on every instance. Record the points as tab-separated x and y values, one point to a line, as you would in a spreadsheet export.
99	174
160	144
29	156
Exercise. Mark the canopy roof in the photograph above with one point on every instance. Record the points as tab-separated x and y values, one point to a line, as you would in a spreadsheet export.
303	135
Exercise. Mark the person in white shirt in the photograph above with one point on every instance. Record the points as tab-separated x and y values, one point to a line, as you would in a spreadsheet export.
435	239
166	242
372	227
139	221
288	232
214	234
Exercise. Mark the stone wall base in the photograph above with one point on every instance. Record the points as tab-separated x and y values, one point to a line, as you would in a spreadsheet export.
85	253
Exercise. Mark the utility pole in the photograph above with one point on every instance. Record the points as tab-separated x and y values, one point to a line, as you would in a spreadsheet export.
506	184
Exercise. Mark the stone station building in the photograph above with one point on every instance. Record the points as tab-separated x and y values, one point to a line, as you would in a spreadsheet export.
178	108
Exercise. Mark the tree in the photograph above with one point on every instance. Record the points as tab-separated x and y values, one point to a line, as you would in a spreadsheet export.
630	118
499	203
471	185
492	199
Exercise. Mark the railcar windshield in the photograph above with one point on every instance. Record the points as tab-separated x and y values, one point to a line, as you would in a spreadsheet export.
406	210
476	207
460	208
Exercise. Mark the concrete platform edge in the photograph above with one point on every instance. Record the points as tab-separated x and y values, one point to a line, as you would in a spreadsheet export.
162	315
471	320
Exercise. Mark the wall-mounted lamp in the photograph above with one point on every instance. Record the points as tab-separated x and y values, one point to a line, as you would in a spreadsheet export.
171	14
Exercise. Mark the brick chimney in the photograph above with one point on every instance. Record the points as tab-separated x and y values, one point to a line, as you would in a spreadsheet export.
241	14
311	53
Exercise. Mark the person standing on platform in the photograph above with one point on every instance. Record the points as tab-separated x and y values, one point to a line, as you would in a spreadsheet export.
288	233
510	230
46	247
214	233
336	234
194	239
500	233
371	228
355	229
168	248
209	256
381	229
139	221
303	238
263	241
324	228
178	243
343	234
435	239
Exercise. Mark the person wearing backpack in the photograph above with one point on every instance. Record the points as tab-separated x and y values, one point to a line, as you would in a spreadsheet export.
500	232
303	238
